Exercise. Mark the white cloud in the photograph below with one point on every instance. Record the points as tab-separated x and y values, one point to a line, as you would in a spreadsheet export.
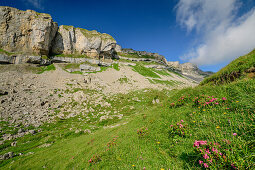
223	35
35	3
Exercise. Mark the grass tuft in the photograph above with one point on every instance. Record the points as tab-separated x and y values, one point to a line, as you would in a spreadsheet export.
46	68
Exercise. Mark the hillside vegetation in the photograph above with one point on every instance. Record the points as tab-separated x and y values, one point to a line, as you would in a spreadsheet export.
240	68
193	128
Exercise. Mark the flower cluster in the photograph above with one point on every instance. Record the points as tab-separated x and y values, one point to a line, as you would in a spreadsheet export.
181	101
98	157
179	129
207	101
95	159
213	155
112	142
142	131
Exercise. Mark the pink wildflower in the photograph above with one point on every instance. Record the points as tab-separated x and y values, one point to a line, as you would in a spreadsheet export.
210	160
205	165
215	150
196	143
203	142
224	98
171	125
234	134
220	154
206	156
181	126
216	103
182	121
90	160
200	162
233	166
208	151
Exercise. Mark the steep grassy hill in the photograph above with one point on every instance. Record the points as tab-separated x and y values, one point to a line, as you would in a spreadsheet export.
242	67
193	128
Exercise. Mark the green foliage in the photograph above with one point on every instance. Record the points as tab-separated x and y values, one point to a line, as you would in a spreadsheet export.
165	82
67	27
147	72
46	68
76	72
45	57
94	33
71	55
116	66
235	70
161	72
72	66
123	80
5	52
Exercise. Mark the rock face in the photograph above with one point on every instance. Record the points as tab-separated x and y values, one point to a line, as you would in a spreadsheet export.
118	48
32	33
144	53
185	68
190	70
70	40
26	31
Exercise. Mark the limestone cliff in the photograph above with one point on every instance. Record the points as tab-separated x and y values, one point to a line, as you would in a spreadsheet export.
71	40
26	31
31	33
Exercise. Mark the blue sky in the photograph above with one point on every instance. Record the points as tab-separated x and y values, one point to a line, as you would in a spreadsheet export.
204	32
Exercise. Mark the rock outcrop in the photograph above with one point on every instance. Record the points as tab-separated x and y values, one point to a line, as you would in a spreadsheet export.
118	48
32	33
144	54
185	68
188	69
26	31
71	40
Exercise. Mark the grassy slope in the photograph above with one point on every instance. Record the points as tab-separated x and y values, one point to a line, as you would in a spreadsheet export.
158	149
235	70
161	146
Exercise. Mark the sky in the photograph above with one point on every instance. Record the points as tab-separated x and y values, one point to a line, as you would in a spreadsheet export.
209	33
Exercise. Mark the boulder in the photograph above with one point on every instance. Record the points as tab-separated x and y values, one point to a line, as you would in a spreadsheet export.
6	156
5	59
3	92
